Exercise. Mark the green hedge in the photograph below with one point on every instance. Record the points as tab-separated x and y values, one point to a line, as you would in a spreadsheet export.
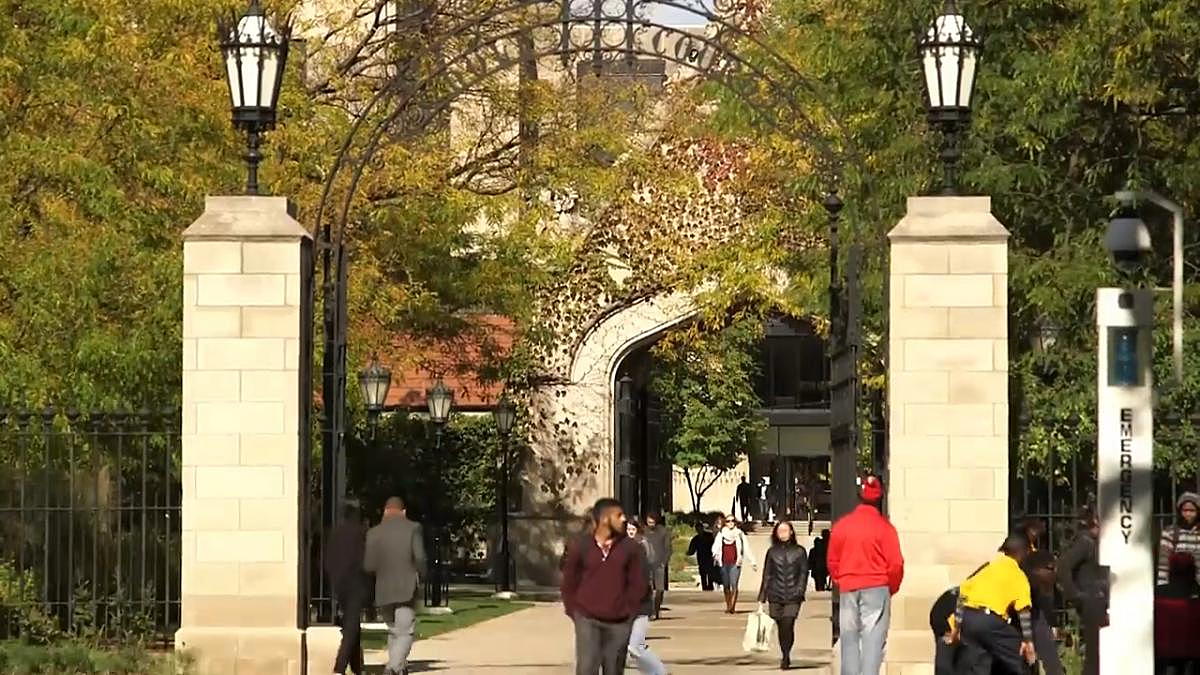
77	658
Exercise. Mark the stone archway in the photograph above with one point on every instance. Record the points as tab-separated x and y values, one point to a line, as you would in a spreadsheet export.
572	437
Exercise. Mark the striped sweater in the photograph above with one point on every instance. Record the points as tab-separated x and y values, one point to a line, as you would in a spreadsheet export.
1177	540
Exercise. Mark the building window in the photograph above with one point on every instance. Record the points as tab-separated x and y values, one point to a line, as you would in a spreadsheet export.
793	371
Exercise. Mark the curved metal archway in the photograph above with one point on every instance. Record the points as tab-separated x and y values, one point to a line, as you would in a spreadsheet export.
476	41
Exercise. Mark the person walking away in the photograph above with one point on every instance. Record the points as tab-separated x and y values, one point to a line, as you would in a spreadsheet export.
784	581
344	553
1183	536
647	661
701	546
817	563
986	600
764	499
731	547
1039	568
395	554
658	535
1177	618
743	497
603	585
867	568
1083	587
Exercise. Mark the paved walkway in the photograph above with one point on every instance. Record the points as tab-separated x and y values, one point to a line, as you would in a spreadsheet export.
694	636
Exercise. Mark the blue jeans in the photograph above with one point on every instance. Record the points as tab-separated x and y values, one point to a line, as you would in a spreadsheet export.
863	618
647	661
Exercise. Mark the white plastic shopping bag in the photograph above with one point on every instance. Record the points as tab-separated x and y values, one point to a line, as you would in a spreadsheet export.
759	627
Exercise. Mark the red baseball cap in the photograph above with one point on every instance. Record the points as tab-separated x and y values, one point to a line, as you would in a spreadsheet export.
872	489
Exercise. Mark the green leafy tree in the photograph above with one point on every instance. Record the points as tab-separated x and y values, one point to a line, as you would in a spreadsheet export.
704	380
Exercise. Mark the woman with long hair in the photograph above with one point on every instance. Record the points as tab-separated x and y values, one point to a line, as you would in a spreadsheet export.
784	580
647	661
1182	537
732	550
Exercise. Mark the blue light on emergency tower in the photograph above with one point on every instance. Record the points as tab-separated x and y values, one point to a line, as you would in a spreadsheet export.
1123	367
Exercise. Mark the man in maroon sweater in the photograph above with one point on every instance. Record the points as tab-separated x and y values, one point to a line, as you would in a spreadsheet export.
603	584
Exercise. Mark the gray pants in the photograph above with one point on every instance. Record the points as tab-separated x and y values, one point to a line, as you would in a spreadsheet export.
600	647
863	618
401	620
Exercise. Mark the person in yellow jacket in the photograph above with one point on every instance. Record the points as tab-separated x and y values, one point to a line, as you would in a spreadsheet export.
986	600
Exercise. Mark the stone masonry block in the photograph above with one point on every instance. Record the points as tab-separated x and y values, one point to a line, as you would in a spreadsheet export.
919	322
210	449
268	514
271	322
239	482
979	452
919	515
291	354
927	579
270	385
209	514
947	355
212	257
189	291
986	258
920	259
293	289
212	578
271	257
978	387
1000	419
187	418
189	354
206	386
239	546
943	484
919	548
267	579
977	322
1000	290
973	515
947	290
936	419
240	354
239	290
203	322
1000	355
921	387
268	449
963	549
908	646
246	417
919	452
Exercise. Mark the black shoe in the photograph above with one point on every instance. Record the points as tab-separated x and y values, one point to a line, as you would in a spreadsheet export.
786	663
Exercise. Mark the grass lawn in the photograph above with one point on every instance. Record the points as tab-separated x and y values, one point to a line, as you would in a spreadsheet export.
681	564
469	609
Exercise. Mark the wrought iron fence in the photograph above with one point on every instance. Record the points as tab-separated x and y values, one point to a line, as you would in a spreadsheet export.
90	523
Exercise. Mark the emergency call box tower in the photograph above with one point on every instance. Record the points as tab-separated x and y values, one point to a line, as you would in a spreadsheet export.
1125	446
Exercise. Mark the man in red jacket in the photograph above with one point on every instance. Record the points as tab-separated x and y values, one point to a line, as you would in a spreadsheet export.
866	567
603	583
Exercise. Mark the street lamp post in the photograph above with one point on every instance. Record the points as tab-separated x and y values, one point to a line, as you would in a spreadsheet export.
255	56
375	381
440	400
506	416
949	55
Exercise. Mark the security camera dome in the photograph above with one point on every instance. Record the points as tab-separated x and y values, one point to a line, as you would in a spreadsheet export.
1127	239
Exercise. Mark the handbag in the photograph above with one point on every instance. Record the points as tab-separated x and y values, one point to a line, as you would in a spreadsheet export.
759	627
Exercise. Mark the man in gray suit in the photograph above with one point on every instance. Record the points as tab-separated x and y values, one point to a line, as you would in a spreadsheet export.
395	554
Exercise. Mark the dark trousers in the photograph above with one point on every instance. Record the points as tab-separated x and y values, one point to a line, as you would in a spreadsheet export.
945	658
820	578
709	574
1046	647
988	640
787	635
600	646
350	653
1090	632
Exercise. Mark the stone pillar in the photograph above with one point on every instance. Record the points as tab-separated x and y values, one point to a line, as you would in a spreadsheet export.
948	399
241	437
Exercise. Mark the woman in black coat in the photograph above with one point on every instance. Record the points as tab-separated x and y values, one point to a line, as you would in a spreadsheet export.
784	580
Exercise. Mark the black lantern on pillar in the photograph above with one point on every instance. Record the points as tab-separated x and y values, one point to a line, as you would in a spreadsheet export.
439	399
949	56
506	418
255	56
375	381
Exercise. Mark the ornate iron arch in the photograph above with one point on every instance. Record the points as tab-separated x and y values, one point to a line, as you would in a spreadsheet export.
471	41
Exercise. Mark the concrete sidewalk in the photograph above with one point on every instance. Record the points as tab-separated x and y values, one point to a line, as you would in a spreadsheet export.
694	636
